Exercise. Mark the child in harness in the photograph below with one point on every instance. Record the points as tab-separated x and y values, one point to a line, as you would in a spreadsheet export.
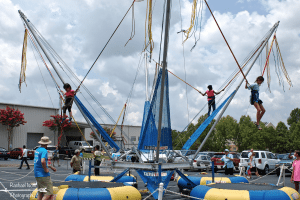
211	98
254	99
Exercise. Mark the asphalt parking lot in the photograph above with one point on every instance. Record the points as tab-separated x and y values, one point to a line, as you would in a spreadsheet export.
19	183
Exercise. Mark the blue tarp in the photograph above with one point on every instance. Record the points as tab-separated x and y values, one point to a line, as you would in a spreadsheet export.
203	126
103	133
152	179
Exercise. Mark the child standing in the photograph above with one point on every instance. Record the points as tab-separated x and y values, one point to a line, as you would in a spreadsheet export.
296	171
69	94
254	99
211	98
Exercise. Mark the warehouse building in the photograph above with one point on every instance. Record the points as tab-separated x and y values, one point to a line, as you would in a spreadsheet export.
30	133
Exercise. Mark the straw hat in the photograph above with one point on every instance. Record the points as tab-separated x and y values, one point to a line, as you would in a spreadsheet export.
44	140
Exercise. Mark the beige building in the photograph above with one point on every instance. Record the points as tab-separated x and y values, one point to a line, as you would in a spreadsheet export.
30	133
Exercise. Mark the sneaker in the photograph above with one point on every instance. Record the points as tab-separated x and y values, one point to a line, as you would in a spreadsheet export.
70	119
27	168
63	119
258	127
19	168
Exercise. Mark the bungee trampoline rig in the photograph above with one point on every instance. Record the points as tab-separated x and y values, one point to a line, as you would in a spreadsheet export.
156	133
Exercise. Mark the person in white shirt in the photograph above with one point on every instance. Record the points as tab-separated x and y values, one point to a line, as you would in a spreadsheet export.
24	158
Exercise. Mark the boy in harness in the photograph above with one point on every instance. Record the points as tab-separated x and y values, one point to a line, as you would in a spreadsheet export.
211	98
69	94
254	99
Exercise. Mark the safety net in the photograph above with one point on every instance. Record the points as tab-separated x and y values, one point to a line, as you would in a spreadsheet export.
149	131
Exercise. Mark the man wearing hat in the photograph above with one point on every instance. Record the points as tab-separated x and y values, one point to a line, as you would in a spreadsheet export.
41	170
228	162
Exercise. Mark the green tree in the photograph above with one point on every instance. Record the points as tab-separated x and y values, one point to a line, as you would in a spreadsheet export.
294	137
280	139
227	130
294	117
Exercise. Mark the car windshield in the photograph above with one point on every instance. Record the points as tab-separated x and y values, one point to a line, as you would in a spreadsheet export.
286	157
218	155
84	144
245	154
51	148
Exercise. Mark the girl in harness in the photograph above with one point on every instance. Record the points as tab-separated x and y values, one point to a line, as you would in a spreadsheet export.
254	99
211	98
69	94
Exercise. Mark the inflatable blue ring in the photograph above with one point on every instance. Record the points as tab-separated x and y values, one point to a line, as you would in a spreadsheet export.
127	180
198	180
214	192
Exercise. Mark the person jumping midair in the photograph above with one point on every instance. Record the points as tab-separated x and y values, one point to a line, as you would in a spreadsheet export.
254	99
211	98
69	94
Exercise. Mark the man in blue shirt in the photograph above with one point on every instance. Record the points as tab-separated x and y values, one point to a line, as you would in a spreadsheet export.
41	171
228	162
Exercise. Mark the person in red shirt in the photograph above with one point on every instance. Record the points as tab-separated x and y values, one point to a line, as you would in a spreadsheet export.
211	98
69	94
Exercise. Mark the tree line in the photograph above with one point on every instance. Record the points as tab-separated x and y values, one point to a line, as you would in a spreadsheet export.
244	135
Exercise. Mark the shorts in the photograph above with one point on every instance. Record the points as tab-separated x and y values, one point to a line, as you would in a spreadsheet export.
44	185
255	98
68	105
253	169
55	158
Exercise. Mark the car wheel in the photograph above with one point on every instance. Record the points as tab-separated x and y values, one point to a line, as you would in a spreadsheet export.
19	157
215	170
5	158
266	170
31	158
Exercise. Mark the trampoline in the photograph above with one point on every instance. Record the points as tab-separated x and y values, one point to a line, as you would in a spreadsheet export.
244	191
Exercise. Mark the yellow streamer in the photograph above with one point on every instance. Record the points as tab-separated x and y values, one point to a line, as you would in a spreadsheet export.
23	61
148	27
193	16
282	65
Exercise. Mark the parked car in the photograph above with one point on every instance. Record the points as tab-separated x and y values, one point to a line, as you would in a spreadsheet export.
280	156
202	162
66	152
50	149
81	145
264	160
287	163
208	153
18	153
218	163
4	153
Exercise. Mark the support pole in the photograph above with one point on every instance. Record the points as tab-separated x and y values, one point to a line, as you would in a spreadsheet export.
60	77
160	191
166	42
237	88
213	171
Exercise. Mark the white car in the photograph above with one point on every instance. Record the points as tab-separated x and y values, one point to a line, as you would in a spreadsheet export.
202	162
265	161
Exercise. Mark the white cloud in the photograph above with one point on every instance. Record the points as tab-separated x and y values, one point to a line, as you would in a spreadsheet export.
79	30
